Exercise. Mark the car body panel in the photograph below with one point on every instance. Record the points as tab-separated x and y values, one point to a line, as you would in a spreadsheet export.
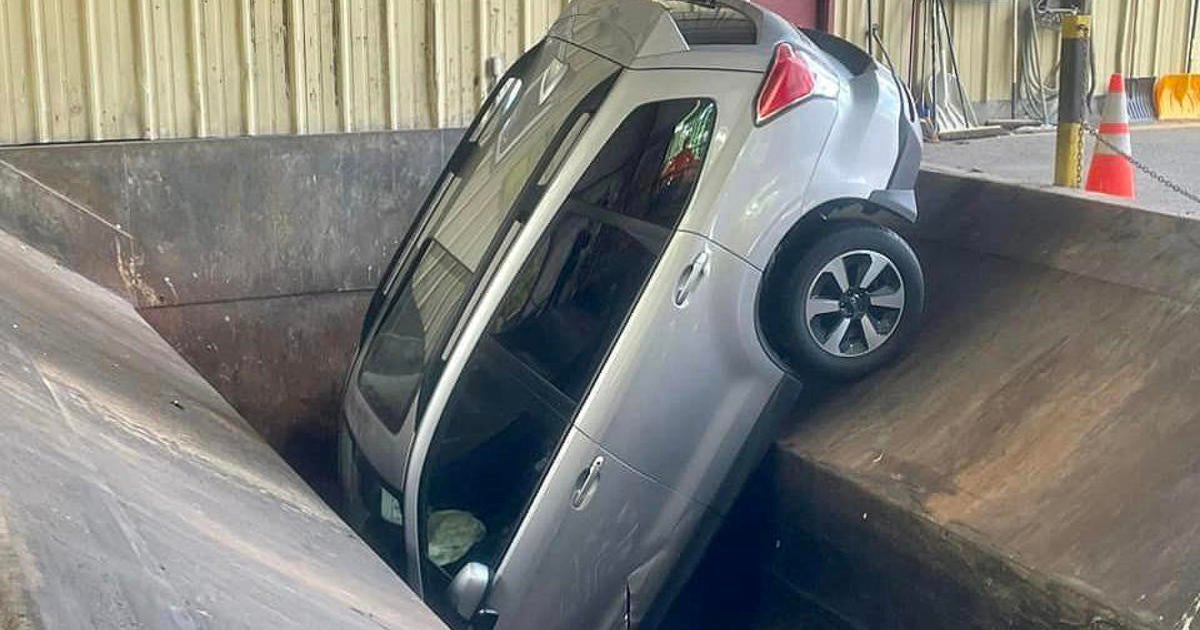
685	381
769	179
600	128
571	567
857	155
683	400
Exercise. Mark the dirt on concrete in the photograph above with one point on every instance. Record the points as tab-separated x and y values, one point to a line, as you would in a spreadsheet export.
133	495
1034	461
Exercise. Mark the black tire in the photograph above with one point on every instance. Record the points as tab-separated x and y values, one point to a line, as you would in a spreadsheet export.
811	333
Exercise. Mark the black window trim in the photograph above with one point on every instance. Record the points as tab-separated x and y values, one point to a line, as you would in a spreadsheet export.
384	294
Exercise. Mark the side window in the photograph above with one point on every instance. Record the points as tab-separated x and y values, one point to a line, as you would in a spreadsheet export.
515	399
419	318
649	168
567	305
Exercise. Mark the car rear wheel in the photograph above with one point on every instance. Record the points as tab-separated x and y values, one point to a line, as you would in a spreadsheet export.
856	300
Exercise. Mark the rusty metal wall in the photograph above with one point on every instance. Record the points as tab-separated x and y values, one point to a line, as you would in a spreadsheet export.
77	70
1137	37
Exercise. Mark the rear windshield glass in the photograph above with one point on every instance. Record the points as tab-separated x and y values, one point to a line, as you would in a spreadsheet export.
500	155
707	23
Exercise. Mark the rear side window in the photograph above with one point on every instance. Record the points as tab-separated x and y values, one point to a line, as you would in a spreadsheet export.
572	297
575	290
650	166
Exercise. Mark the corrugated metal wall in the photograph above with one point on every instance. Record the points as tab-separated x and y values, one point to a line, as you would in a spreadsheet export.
1137	37
75	70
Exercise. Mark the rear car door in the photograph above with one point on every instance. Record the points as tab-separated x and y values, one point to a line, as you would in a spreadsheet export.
564	525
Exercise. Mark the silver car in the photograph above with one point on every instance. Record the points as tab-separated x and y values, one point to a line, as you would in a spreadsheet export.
660	222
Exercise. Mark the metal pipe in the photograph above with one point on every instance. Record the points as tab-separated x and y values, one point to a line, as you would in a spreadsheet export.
934	62
914	53
968	114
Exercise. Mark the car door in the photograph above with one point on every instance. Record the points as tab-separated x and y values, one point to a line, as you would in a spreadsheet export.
508	482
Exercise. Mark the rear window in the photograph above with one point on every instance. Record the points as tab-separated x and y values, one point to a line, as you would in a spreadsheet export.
469	216
708	23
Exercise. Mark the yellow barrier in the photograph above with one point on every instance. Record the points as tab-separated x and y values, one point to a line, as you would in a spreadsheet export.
1177	96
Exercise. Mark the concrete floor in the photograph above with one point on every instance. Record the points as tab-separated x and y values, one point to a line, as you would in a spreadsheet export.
1172	149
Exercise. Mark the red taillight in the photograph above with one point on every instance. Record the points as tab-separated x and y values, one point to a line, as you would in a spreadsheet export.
789	80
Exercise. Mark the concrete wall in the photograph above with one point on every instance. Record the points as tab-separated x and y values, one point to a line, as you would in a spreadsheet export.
1031	462
253	257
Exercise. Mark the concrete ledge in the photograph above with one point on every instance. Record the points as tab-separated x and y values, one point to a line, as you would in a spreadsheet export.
882	564
1032	462
1093	235
133	496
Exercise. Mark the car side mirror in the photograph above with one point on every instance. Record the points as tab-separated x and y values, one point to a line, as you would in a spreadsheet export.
468	587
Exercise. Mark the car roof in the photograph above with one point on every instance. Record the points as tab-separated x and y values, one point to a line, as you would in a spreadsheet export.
718	34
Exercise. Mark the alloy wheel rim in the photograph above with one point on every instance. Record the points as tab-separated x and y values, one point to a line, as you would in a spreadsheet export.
854	304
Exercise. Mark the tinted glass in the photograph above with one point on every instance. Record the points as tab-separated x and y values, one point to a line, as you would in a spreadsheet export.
570	299
411	332
487	461
486	177
548	337
650	167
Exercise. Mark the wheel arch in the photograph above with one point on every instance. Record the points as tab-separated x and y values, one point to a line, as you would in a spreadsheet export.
790	248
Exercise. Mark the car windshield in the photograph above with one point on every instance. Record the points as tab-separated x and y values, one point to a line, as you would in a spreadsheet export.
467	216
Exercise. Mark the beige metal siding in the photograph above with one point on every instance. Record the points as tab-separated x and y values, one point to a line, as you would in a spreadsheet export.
1137	37
73	70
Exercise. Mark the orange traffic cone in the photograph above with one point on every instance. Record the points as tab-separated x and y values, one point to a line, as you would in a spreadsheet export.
1110	172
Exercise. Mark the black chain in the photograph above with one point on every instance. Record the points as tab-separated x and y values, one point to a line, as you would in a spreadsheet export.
1159	177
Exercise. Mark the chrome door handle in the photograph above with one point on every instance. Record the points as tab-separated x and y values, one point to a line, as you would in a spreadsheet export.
587	481
691	277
